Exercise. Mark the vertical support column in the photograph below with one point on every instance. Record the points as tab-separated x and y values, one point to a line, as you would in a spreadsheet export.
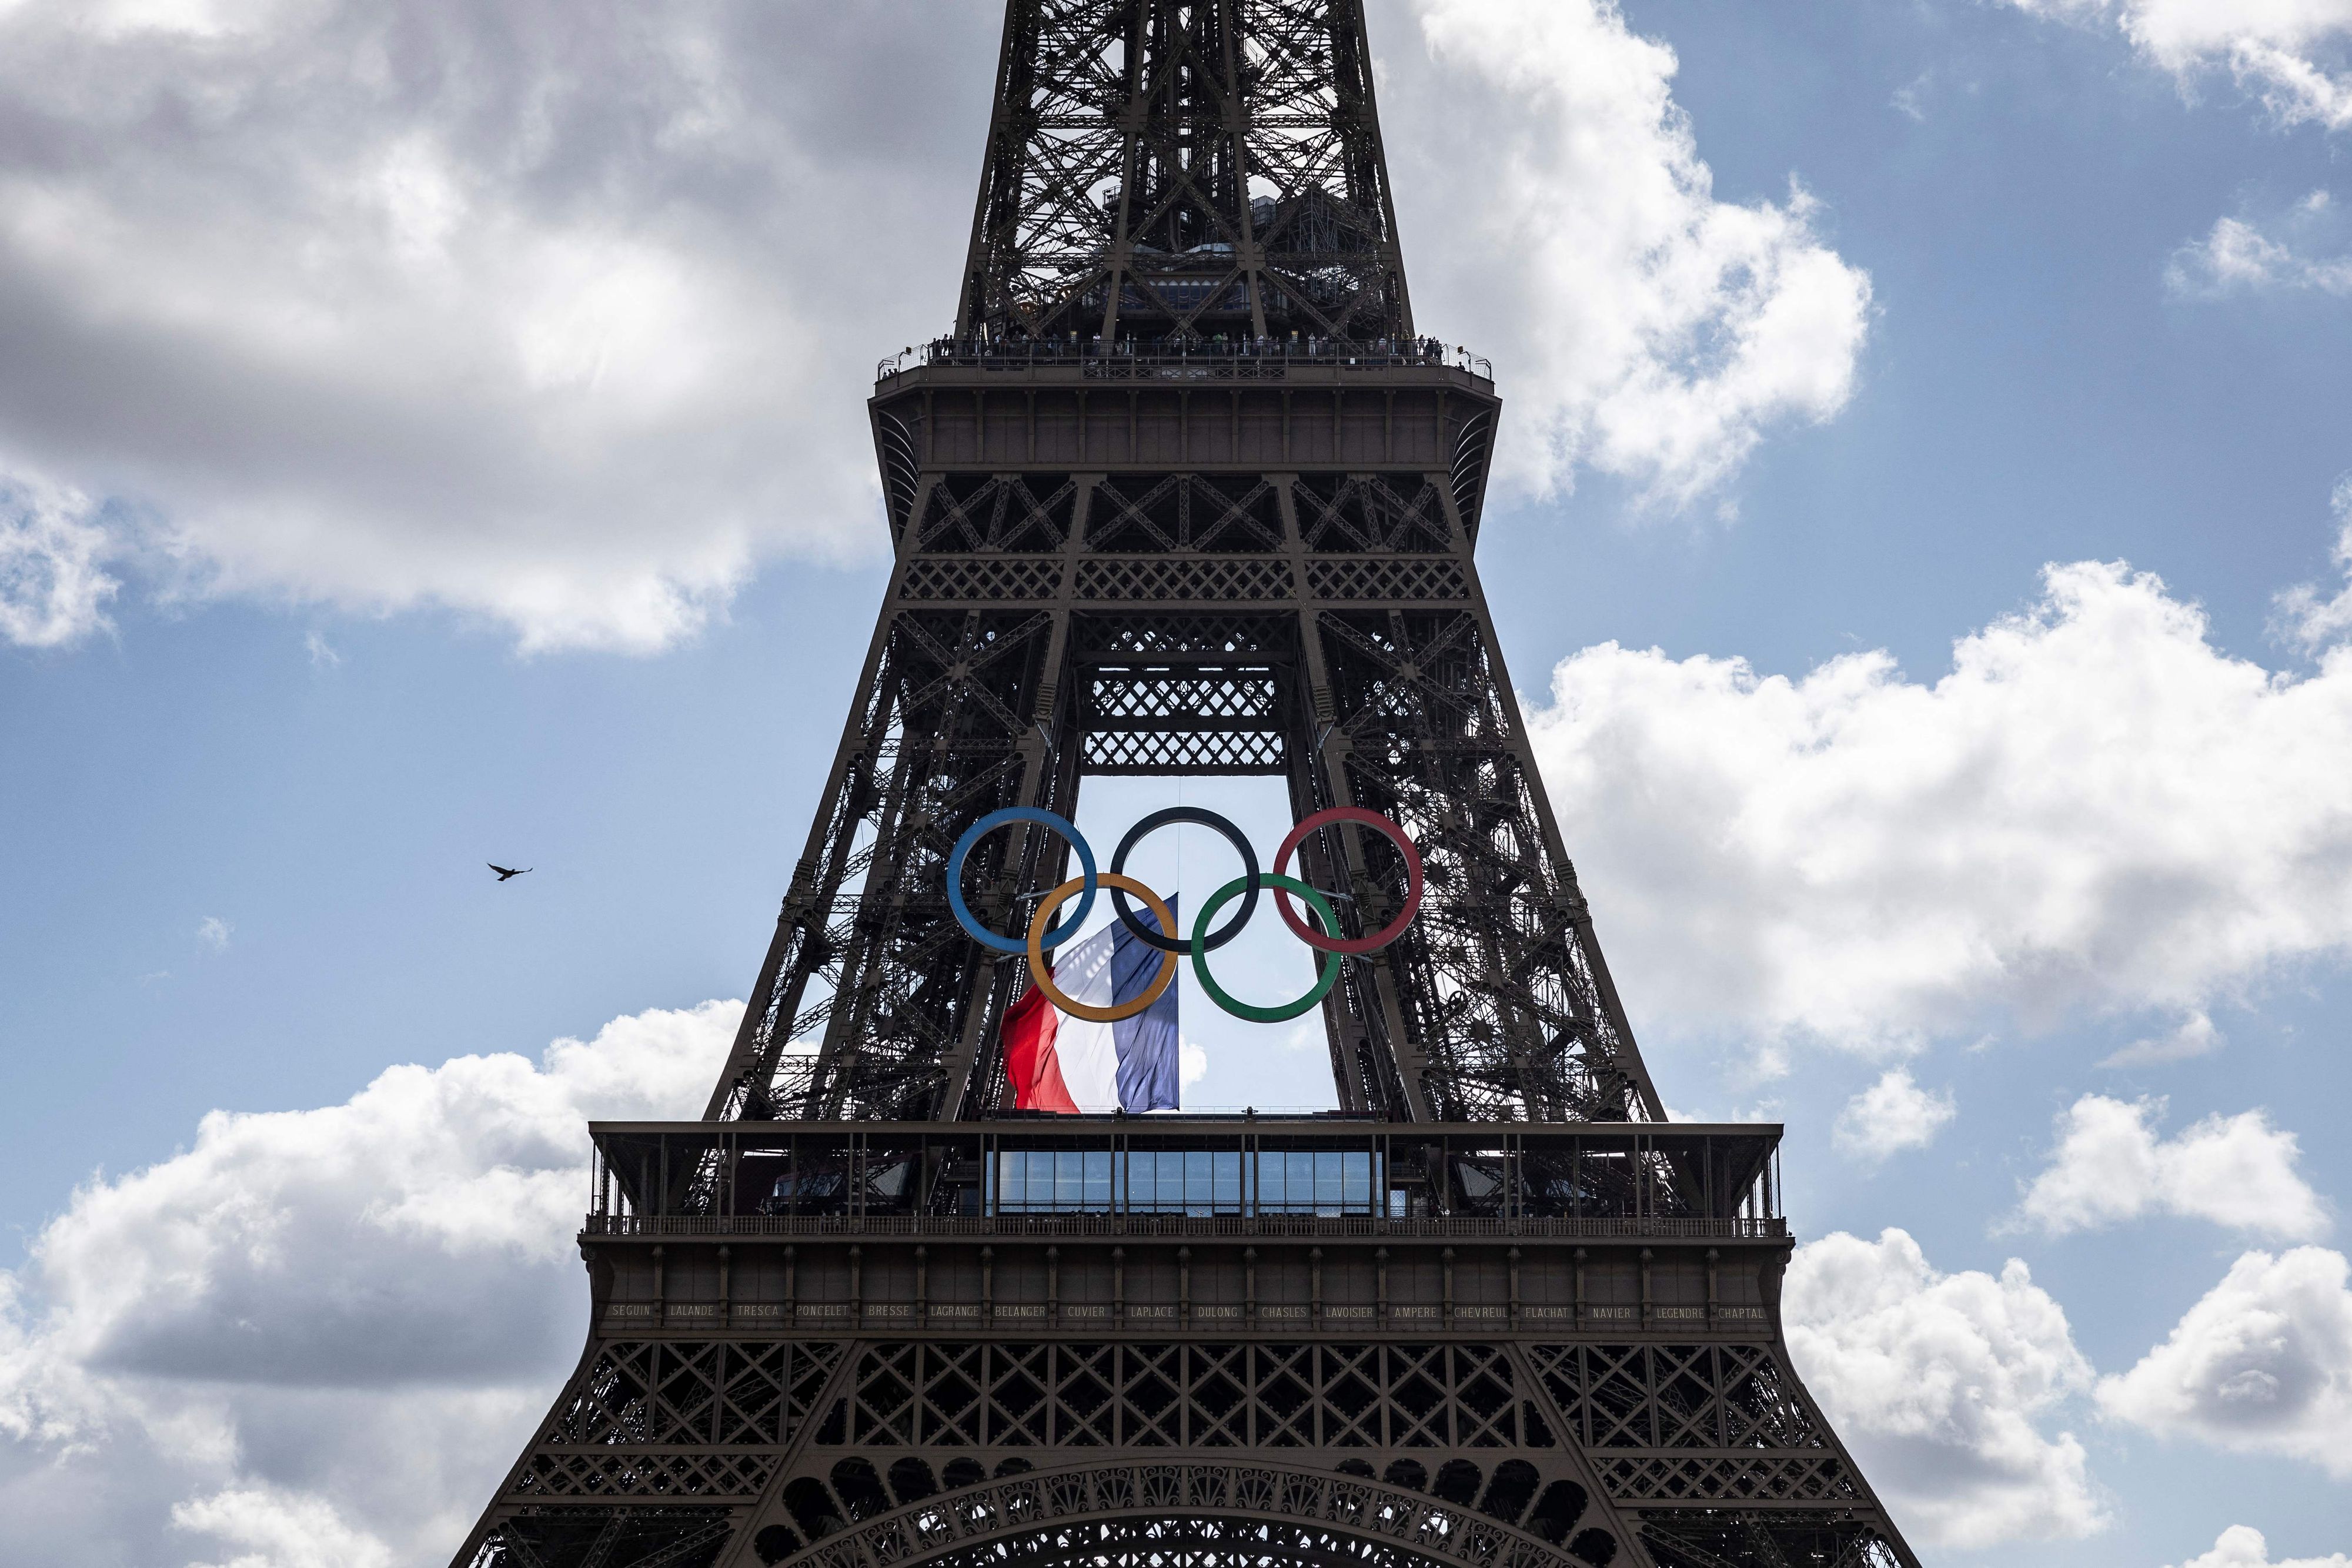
1048	779
1319	768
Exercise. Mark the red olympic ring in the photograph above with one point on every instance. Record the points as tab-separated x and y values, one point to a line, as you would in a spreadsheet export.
1387	829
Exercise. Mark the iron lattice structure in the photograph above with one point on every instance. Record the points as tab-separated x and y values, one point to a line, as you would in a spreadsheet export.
1184	169
1184	494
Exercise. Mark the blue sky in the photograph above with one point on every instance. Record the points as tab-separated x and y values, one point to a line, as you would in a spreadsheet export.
433	437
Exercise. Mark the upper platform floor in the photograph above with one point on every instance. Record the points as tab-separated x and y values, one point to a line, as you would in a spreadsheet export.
1252	407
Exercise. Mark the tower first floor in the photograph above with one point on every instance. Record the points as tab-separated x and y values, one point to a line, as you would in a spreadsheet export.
1284	1356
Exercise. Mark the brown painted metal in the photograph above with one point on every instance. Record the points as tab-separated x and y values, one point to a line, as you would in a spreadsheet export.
1184	494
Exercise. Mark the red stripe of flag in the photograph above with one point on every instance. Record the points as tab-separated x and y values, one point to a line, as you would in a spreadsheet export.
1036	1077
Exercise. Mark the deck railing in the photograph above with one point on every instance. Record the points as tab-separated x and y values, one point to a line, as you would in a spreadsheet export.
1242	359
1188	1226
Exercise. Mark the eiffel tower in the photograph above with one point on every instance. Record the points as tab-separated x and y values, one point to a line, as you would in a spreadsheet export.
1183	493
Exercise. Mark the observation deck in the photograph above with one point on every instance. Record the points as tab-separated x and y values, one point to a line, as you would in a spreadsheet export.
1149	1224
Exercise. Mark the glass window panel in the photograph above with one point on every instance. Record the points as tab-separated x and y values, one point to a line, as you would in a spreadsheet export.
1355	1182
1197	1196
1140	1170
1171	1180
1270	1186
1069	1178
1097	1178
1326	1180
1009	1185
1228	1169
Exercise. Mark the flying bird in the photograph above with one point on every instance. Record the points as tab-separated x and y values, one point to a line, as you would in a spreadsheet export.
505	871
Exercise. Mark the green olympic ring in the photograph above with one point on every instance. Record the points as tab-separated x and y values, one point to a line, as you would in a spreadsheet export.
1324	916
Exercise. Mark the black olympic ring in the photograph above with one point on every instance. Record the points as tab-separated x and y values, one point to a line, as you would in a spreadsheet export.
1233	835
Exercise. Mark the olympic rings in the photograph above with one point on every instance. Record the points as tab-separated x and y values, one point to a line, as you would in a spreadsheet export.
1333	943
1331	961
989	824
1044	977
1233	835
1327	939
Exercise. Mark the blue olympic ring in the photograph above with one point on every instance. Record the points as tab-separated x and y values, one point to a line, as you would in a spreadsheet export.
989	824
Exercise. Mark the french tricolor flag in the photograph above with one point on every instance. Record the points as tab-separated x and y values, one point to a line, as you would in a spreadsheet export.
1060	1063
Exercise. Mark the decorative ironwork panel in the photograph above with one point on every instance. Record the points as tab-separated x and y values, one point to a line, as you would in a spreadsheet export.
1207	1395
1189	720
1400	513
1652	1395
998	578
997	511
1386	577
1152	754
720	1392
1138	514
1679	1479
1186	578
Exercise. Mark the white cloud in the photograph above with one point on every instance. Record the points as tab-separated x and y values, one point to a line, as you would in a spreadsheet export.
2307	615
54	586
2289	53
312	1335
2095	808
2194	1036
2242	1546
2239	257
1191	1065
1940	1384
563	318
280	1530
2110	1166
2262	1364
1891	1116
214	933
1557	215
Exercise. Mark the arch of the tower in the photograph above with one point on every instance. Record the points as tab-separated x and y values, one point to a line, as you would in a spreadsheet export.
1198	1515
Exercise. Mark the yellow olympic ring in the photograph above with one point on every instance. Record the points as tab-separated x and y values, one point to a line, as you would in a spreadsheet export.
1044	977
